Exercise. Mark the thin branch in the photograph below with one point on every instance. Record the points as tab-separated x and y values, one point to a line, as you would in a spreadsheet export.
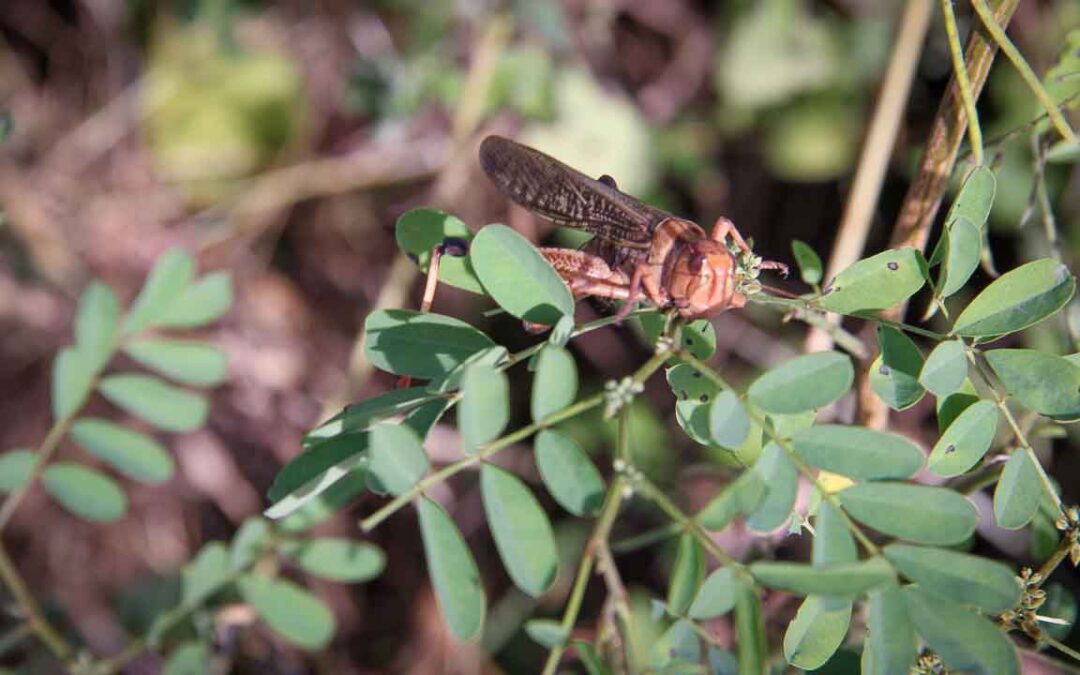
34	616
962	81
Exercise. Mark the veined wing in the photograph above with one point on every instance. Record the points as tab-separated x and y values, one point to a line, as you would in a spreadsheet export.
546	186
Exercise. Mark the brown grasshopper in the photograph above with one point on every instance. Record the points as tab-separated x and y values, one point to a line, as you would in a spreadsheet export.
638	249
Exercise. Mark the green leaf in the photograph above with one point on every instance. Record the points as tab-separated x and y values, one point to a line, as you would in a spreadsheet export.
315	471
453	571
555	383
804	383
894	375
492	357
693	396
398	461
950	407
679	645
422	345
568	474
833	542
188	658
945	369
586	653
857	452
249	542
890	640
876	283
96	323
205	574
185	361
810	268
546	632
15	469
1063	152
360	416
337	559
133	454
172	273
518	278
420	230
697	337
729	424
739	498
686	574
965	441
1045	383
290	611
521	530
967	579
1017	495
975	198
816	632
839	579
776	471
201	303
717	595
964	640
963	251
87	493
750	631
1017	299
326	504
73	374
156	402
919	513
484	410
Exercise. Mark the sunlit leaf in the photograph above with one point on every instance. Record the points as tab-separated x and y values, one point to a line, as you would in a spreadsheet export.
155	401
423	345
965	641
1046	383
453	571
555	382
518	278
965	441
919	513
857	452
1017	495
686	574
894	375
337	559
804	383
967	579
398	461
315	471
833	542
133	454
521	529
810	267
420	230
87	493
484	410
1017	299
945	368
876	283
360	416
185	361
290	611
568	473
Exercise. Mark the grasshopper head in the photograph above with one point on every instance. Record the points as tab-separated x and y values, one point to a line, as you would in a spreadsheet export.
703	282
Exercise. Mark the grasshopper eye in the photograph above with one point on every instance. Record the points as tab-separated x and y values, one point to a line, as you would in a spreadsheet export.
696	262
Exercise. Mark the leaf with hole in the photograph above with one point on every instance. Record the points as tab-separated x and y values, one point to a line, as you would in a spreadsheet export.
1017	299
965	641
945	368
555	382
521	529
693	396
804	383
816	632
458	589
398	461
857	452
155	401
810	267
185	361
919	513
967	579
423	345
420	230
568	473
133	454
290	611
337	559
876	283
87	493
1045	383
1018	491
839	579
965	441
484	410
518	278
894	375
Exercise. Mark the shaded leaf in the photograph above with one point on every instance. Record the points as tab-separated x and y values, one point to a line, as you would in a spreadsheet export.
693	396
87	493
739	498
453	571
201	303
876	283
750	631
966	440
686	574
290	611
248	542
189	658
315	471
15	469
1017	495
678	645
945	369
1017	299
568	473
1046	383
171	274
205	574
155	401
919	513
72	377
423	345
964	640
816	632
546	632
337	559
420	230
518	278
776	471
857	452
963	251
894	375
398	461
833	542
840	579
133	454
729	424
697	337
967	579
890	644
975	198
810	267
521	529
360	416
96	324
185	361
804	383
717	595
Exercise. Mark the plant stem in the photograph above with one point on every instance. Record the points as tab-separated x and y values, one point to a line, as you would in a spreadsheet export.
962	81
34	616
1025	71
1051	563
585	567
802	311
43	454
1064	649
648	538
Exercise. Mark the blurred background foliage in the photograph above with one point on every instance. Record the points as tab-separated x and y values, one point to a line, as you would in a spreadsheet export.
281	140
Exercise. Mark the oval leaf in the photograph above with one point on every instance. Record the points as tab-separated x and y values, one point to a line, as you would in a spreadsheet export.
967	579
422	345
290	611
693	396
839	579
201	303
568	474
360	416
316	471
157	402
810	268
453	571
1017	299
894	375
966	440
185	361
729	425
546	633
741	497
337	559
420	230
84	492
518	278
859	453
965	641
945	369
697	337
484	409
1018	492
804	383
776	471
15	469
189	658
72	376
816	632
205	574
398	461
833	542
555	383
963	251
686	574
96	323
890	645
1045	383
876	283
975	198
521	530
171	274
717	595
133	454
919	513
